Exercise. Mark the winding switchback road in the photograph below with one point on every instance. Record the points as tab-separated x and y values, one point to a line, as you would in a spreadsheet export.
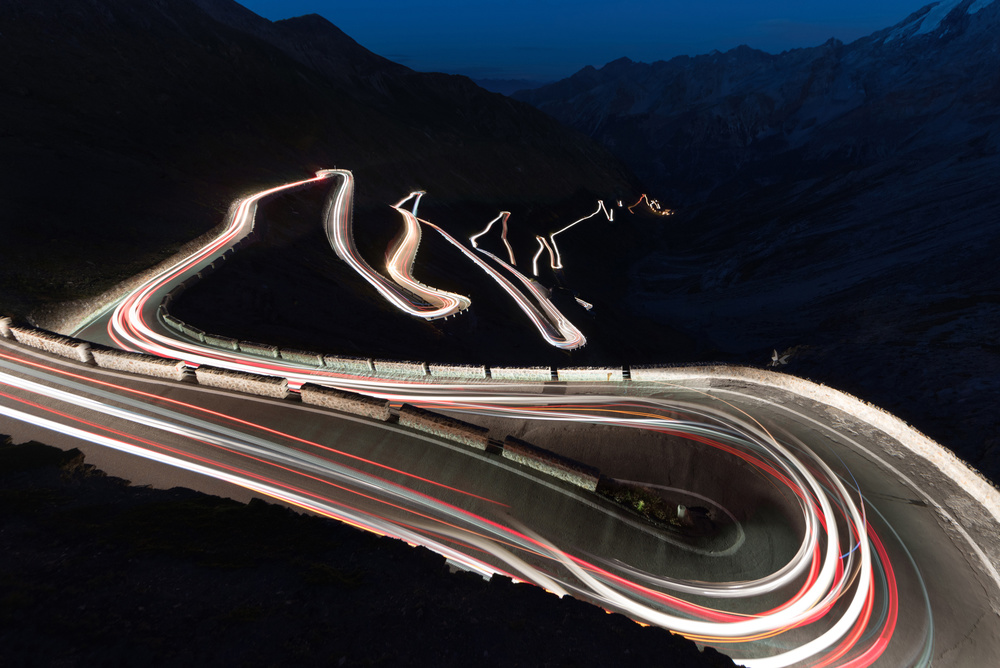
831	541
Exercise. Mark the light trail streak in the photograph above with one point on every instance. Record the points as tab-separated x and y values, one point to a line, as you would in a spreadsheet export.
609	213
543	245
652	205
554	327
643	595
836	593
400	267
430	303
503	215
569	336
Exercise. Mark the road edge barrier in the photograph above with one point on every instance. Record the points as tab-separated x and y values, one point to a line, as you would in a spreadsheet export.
249	383
444	426
139	363
552	464
346	402
524	373
350	365
592	374
50	342
259	349
402	370
457	371
223	342
303	357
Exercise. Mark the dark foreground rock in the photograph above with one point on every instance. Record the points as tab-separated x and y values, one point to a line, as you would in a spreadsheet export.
98	572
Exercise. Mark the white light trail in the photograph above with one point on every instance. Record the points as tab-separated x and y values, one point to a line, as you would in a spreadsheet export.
337	221
504	215
554	327
557	263
400	267
543	245
835	565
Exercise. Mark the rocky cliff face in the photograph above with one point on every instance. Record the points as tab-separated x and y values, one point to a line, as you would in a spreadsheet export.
131	125
839	202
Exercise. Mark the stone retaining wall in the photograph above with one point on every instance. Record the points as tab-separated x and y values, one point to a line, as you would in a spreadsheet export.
173	322
265	386
457	371
194	332
347	402
550	463
529	374
354	365
300	357
391	369
146	365
259	349
51	342
650	373
224	342
443	426
591	374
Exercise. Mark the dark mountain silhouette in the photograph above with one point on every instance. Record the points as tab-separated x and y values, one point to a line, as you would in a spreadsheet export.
130	126
838	200
508	86
692	124
101	572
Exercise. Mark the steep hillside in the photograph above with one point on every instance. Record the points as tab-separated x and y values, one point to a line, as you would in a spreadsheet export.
131	125
100	572
838	201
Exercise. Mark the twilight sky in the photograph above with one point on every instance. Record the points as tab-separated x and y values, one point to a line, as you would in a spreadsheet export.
552	39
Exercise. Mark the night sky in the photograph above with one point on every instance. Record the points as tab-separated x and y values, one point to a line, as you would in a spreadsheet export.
552	39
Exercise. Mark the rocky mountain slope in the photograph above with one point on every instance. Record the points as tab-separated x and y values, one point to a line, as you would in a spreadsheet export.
130	127
692	124
97	572
839	202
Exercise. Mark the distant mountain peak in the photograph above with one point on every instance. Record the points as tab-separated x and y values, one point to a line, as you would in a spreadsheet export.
935	17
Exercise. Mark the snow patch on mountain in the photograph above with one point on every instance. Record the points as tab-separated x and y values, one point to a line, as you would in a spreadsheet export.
932	18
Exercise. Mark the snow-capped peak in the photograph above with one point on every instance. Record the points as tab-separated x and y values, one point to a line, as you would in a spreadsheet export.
932	18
